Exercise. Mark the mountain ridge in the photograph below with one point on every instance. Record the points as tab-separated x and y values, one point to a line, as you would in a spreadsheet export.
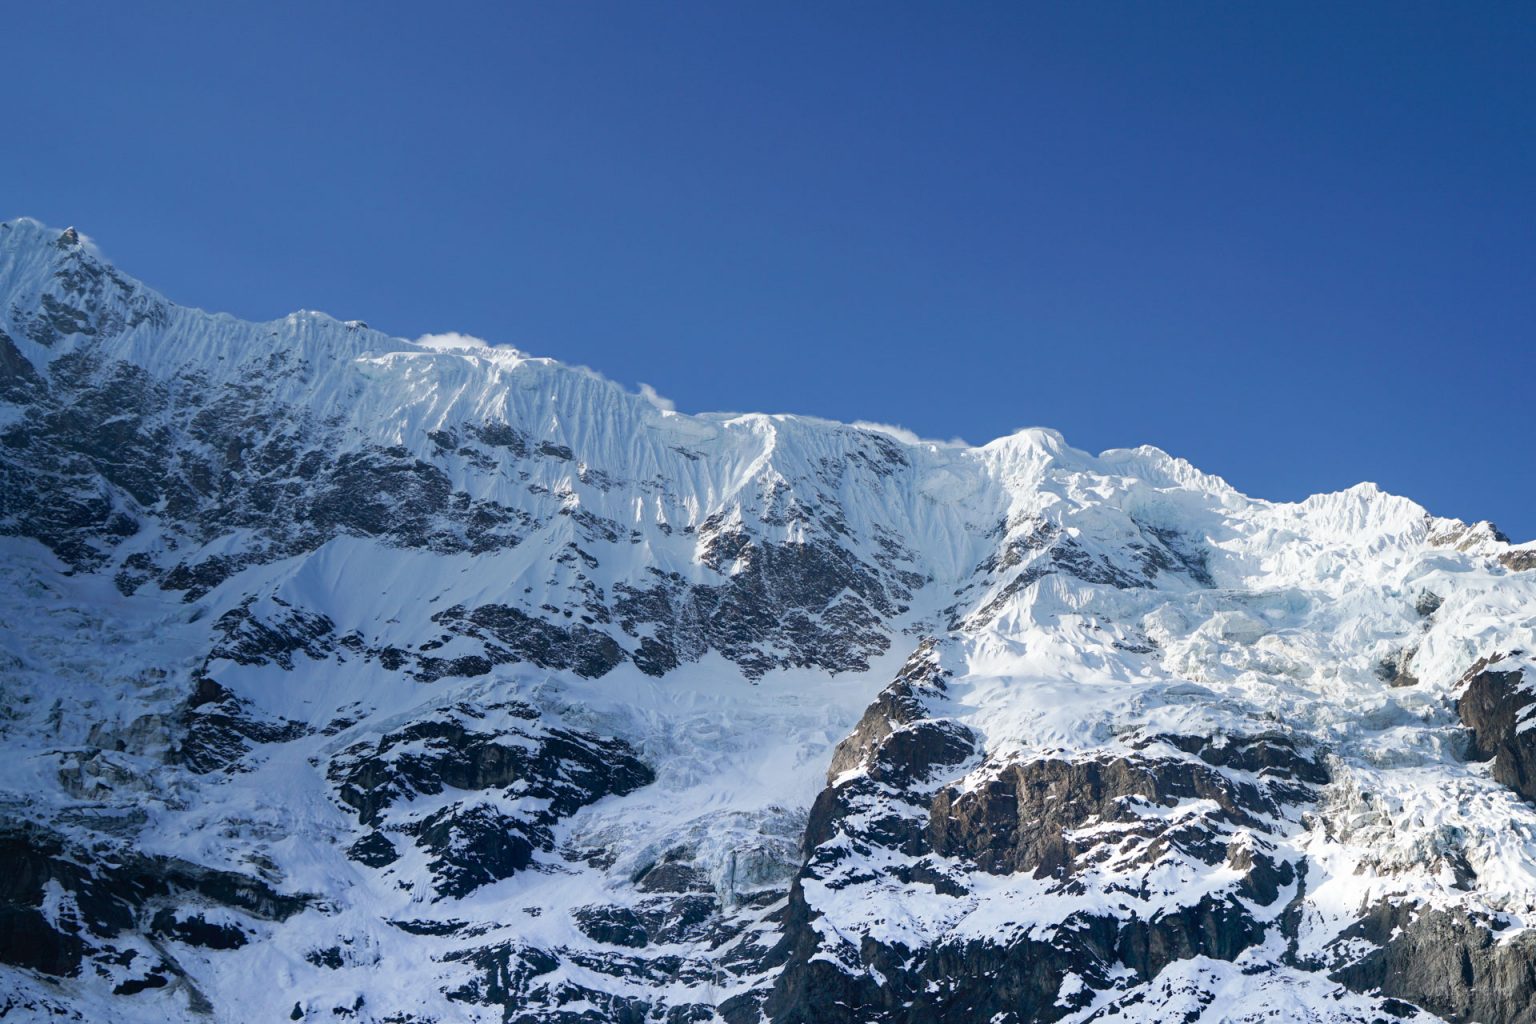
31	235
352	676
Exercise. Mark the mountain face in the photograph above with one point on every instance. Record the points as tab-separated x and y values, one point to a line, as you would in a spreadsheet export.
346	677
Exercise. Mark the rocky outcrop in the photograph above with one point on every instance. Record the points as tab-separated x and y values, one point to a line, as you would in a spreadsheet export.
246	638
1033	548
812	604
216	729
63	907
1095	830
1519	559
1397	669
1453	963
903	707
511	635
1026	816
514	778
1497	706
678	942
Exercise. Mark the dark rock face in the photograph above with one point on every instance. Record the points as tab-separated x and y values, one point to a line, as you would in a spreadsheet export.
374	850
1024	817
104	919
641	956
511	635
804	605
87	297
1032	548
217	729
1493	706
101	445
1076	825
1396	670
68	475
1519	559
1452	963
476	845
518	779
1286	770
195	930
105	443
528	983
19	382
616	926
904	703
247	639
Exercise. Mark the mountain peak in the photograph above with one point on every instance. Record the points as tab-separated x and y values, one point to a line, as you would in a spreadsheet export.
472	685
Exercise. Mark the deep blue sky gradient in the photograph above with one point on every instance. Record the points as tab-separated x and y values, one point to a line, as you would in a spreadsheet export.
1293	243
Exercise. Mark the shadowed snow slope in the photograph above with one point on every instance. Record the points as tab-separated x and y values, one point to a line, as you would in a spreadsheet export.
345	676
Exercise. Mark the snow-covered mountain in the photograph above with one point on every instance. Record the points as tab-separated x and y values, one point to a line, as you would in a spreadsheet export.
348	677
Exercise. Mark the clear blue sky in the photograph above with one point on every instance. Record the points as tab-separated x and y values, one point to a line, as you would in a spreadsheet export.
1295	244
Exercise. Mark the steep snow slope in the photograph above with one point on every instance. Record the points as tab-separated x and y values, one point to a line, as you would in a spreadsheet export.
347	676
